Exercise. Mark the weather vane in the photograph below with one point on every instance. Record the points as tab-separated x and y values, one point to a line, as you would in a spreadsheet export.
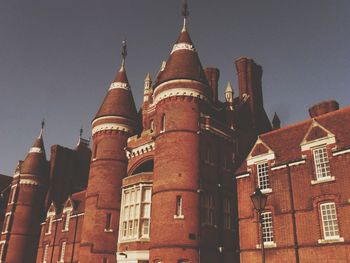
42	124
185	12
124	52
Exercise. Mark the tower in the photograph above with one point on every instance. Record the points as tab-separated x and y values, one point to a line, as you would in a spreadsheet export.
114	122
180	92
25	209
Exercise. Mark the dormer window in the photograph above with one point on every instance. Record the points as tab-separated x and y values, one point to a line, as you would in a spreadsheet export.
263	176
321	163
66	220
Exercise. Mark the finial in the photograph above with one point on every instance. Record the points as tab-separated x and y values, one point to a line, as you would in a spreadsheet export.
42	128
81	131
124	52
185	13
276	122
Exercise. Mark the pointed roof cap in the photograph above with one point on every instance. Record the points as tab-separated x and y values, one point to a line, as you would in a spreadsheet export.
229	87
35	161
183	62
276	122
119	100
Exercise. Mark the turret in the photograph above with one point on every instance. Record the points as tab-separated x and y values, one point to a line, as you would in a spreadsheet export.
147	88
179	91
114	122
25	210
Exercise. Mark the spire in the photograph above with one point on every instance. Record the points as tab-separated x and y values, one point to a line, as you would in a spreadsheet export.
119	100
81	140
229	95
276	122
185	13
183	62
35	161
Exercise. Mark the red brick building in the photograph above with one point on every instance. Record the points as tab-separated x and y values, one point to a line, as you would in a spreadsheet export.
304	170
158	185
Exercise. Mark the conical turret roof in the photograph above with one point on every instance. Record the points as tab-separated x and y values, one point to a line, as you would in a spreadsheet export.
119	100
183	62
35	162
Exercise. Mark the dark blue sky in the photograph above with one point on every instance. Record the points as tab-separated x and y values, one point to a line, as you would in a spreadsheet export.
57	58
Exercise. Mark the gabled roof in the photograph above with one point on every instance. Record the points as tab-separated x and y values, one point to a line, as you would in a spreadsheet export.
286	142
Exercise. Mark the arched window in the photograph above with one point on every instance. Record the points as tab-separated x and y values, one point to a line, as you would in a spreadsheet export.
144	167
162	124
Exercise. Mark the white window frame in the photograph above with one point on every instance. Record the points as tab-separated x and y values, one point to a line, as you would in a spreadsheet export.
179	208
68	214
6	224
49	222
263	176
62	251
321	165
329	219
2	250
135	216
267	228
12	194
162	123
45	253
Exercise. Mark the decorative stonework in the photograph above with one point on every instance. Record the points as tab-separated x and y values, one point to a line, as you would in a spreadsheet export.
119	85
179	92
28	182
182	46
144	148
35	150
112	126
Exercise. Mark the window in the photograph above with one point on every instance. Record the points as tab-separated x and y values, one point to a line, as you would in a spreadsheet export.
95	151
208	209
329	221
178	210
12	194
227	213
152	125
49	222
104	260
62	250
135	213
267	227
182	261
321	163
162	124
66	220
2	251
46	251
263	176
108	226
6	224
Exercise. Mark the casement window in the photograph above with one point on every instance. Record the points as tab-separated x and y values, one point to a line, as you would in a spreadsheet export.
135	213
227	213
108	225
12	194
267	227
6	225
208	209
321	163
329	221
263	176
162	123
178	209
62	251
45	253
2	251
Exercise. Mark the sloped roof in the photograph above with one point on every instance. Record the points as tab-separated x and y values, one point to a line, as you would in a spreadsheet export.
35	161
183	62
285	142
118	101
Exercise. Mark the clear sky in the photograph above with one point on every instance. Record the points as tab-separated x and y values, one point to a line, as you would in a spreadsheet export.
57	58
